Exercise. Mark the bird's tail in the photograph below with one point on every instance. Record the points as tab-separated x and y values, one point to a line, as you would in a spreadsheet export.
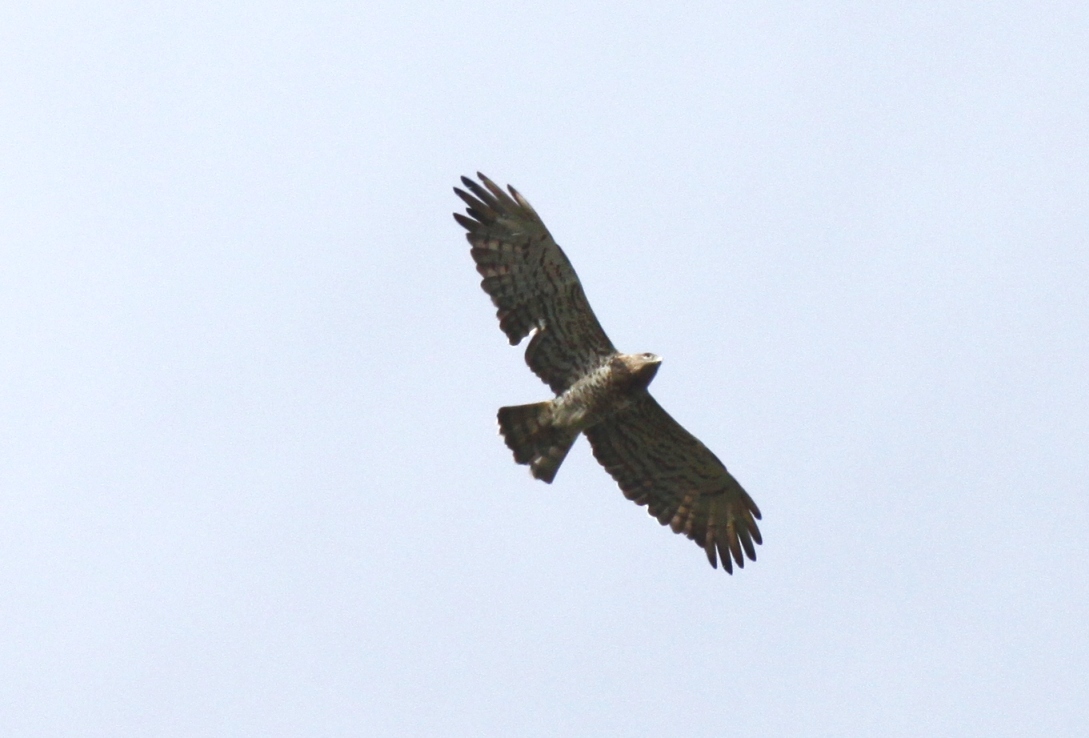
530	434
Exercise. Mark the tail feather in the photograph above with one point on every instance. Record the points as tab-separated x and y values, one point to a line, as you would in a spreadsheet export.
529	433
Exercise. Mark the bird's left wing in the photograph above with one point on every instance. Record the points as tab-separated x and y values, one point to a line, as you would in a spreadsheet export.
533	285
659	464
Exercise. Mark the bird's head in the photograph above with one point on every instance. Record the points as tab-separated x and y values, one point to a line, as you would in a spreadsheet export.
643	367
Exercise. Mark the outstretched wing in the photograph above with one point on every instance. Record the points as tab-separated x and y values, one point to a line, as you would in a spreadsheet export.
661	465
532	284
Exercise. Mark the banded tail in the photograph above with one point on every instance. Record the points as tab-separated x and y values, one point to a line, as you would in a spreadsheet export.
529	433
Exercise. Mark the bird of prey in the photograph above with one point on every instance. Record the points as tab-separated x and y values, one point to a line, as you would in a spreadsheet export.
599	391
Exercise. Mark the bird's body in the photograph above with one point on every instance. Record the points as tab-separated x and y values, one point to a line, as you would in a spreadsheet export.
605	391
600	392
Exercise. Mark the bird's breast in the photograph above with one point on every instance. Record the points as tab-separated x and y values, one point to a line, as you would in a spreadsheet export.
592	398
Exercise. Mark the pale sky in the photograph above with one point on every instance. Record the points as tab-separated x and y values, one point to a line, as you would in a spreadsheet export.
250	478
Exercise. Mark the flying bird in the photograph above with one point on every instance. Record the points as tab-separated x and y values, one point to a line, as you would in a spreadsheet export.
600	392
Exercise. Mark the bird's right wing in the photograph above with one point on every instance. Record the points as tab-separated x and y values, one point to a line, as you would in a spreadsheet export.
532	284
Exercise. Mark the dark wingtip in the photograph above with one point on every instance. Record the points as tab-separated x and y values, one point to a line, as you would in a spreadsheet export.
487	182
735	549
750	551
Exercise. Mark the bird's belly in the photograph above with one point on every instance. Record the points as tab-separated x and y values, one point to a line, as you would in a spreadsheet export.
589	401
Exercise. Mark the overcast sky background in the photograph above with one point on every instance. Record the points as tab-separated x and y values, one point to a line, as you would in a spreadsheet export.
250	478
